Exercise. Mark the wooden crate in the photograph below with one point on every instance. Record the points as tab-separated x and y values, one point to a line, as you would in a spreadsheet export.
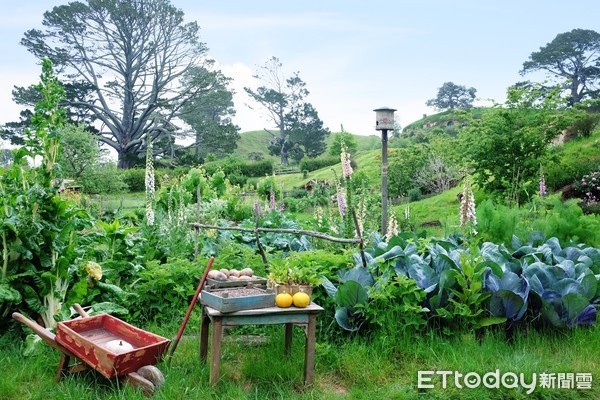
258	282
214	299
86	337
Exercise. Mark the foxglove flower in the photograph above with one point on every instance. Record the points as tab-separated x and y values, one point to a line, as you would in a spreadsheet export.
467	207
346	166
392	228
257	210
542	185
273	204
150	189
341	199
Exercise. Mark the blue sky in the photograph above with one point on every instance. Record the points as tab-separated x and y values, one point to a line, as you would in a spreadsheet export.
353	55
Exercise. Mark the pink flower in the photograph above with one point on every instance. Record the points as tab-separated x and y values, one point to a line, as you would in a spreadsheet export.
467	207
341	200
346	166
273	204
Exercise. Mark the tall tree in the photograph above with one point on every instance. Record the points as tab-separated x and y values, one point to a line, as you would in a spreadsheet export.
300	131
454	97
210	115
133	54
574	58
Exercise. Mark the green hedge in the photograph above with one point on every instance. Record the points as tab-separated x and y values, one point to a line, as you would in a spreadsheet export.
235	165
313	164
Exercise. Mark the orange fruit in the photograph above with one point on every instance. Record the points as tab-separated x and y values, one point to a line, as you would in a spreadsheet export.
283	300
301	300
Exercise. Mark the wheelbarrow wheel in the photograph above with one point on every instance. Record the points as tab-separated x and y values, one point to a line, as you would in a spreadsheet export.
153	374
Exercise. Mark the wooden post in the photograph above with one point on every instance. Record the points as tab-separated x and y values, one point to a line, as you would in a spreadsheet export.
384	180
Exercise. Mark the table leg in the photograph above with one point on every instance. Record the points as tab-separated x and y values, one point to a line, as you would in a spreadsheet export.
204	336
287	344
215	351
309	357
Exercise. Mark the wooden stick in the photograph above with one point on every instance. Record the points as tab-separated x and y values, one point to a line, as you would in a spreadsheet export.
278	230
261	249
361	243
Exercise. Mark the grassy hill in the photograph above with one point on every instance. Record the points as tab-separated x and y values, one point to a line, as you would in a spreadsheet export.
258	142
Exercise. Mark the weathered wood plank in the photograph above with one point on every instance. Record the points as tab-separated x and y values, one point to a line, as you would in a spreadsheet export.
231	304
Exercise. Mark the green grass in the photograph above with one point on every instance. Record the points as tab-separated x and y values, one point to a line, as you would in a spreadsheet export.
258	142
124	200
349	368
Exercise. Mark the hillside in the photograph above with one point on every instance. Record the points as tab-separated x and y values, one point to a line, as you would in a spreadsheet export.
258	142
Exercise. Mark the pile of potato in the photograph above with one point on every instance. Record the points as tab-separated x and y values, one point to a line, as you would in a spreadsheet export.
225	274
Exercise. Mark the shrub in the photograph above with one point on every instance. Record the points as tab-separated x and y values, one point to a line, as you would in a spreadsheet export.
585	126
588	187
162	289
313	164
134	178
105	179
414	194
257	169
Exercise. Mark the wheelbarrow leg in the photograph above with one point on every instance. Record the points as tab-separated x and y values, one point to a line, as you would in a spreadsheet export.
63	367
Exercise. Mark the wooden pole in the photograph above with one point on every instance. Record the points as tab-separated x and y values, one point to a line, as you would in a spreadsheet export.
384	180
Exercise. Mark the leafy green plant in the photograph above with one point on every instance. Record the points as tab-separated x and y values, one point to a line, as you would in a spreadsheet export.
466	308
397	305
351	297
39	229
164	289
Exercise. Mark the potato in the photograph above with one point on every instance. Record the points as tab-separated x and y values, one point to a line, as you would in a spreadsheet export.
247	272
217	275
244	278
234	272
234	278
225	271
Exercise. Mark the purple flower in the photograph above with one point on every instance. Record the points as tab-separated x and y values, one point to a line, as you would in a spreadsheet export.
542	186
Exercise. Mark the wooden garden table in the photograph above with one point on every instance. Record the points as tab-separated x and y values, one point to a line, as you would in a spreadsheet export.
291	316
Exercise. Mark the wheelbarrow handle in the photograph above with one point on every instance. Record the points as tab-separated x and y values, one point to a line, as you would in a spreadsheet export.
80	310
43	333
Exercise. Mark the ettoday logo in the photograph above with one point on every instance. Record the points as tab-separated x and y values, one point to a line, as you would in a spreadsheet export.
509	380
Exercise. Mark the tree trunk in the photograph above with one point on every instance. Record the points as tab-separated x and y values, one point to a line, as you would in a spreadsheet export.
125	162
284	152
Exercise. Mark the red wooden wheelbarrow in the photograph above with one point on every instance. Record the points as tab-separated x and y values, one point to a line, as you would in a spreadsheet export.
90	342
